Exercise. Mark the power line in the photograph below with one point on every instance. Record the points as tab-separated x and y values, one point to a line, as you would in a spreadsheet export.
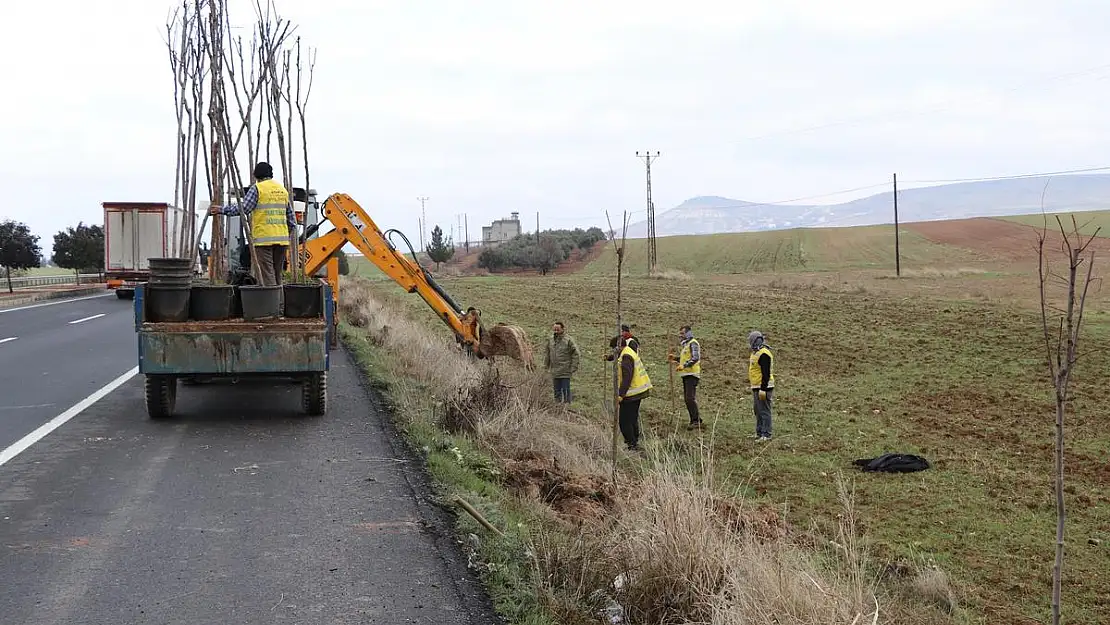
943	106
1013	177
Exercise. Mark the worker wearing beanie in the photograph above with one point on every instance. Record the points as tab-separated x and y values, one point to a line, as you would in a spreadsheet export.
761	375
620	340
688	367
267	206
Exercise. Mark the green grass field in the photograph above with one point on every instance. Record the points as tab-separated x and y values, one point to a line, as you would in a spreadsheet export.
48	271
861	371
1088	221
812	249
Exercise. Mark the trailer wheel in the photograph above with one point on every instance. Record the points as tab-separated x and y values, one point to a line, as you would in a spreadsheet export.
314	393
161	395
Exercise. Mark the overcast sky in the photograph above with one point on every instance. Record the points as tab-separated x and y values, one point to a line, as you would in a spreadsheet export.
492	107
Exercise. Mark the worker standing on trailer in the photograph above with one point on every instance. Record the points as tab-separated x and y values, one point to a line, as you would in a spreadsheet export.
561	359
634	386
688	367
761	375
266	204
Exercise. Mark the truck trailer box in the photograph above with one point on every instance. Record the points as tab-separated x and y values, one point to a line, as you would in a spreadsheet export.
135	232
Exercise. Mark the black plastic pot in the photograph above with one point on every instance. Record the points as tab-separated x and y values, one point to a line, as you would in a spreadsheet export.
167	302
211	302
304	301
170	271
260	302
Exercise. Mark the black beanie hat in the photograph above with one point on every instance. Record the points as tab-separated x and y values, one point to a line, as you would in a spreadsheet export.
262	171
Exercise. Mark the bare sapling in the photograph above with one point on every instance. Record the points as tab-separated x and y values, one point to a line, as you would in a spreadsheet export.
186	49
246	88
175	43
287	162
619	250
197	140
272	41
302	104
1061	327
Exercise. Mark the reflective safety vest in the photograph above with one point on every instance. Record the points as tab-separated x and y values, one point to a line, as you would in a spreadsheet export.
755	374
685	356
641	383
268	223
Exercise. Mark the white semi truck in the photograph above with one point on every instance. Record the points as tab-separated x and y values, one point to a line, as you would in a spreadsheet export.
135	232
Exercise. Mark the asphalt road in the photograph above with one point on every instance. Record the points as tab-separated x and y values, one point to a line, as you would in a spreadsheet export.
54	355
240	510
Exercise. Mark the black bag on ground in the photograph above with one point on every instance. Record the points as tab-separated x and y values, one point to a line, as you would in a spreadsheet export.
893	463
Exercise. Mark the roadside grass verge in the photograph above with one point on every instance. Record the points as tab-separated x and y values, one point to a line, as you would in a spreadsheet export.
863	373
668	542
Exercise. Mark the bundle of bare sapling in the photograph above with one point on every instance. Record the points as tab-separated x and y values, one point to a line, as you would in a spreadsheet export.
227	88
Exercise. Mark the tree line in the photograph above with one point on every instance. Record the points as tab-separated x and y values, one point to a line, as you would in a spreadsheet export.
80	248
541	252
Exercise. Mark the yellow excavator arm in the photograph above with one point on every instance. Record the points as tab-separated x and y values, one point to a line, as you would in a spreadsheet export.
354	226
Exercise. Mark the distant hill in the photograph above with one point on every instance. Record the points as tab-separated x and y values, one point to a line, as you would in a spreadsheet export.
995	198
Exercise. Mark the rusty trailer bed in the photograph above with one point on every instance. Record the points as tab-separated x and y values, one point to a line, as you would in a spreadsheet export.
203	350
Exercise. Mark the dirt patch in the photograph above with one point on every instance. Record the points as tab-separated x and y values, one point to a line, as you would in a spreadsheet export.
995	237
763	521
575	498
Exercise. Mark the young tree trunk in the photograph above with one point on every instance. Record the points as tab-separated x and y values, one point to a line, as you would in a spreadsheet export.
1061	336
9	272
617	350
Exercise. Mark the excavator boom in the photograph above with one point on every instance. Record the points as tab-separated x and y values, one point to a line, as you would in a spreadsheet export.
354	226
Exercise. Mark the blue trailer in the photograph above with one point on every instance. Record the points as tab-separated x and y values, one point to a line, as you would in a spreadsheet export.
296	349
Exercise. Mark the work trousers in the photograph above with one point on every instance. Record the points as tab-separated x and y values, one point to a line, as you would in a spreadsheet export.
762	409
562	390
271	262
629	414
689	394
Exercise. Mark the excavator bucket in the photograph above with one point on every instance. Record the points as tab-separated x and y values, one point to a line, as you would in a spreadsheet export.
506	340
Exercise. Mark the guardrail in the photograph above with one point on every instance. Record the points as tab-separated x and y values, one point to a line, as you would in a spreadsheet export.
25	282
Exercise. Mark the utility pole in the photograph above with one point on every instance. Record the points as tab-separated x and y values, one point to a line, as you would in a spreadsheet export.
648	157
897	252
423	220
537	226
466	233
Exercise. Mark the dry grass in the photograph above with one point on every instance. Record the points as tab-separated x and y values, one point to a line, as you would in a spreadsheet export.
672	274
935	272
663	545
672	553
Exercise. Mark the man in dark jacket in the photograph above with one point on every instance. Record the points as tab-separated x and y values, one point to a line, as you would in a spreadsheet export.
561	359
761	376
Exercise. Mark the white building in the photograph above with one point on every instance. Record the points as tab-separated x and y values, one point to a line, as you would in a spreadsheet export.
501	230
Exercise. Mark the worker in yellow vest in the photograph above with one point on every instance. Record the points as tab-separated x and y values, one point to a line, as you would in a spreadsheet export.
688	367
634	386
761	376
267	206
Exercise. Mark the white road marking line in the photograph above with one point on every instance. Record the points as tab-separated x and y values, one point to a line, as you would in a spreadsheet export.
61	301
88	318
22	444
10	338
